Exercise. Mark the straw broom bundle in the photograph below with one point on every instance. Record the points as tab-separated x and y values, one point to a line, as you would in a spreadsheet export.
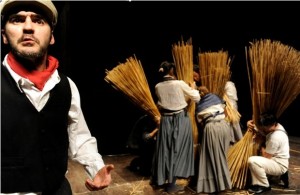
129	78
274	67
237	161
183	60
214	70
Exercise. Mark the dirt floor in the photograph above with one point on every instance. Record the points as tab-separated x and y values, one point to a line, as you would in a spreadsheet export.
128	182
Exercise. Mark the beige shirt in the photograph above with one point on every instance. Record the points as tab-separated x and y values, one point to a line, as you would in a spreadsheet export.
174	94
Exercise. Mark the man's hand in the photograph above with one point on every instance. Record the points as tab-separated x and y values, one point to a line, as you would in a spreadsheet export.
258	136
251	125
265	154
101	180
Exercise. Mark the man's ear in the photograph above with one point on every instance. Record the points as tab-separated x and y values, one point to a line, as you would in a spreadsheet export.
4	38
52	40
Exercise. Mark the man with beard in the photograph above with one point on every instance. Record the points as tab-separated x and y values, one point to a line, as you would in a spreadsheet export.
42	121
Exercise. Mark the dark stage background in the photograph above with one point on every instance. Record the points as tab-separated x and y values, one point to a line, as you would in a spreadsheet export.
92	36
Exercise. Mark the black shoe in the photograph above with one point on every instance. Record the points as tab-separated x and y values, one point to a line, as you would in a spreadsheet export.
152	182
253	188
285	179
259	189
174	188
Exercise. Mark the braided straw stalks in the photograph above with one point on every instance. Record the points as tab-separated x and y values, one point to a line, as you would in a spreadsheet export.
183	59
129	78
275	84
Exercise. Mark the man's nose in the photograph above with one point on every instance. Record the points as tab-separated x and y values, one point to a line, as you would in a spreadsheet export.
28	23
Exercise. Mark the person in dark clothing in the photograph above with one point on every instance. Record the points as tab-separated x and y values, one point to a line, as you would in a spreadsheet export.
42	124
196	75
141	142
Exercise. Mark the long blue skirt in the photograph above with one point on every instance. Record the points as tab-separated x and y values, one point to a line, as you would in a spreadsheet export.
174	152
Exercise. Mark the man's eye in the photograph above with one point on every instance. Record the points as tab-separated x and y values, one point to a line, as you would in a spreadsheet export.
16	20
38	20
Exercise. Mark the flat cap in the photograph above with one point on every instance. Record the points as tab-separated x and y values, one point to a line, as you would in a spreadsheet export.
45	6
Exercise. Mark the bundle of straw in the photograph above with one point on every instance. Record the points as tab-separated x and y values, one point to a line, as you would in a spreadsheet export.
183	60
275	76
237	162
274	83
214	70
129	78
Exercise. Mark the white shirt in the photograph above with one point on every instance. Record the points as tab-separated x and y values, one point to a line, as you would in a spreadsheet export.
231	92
277	143
172	94
82	146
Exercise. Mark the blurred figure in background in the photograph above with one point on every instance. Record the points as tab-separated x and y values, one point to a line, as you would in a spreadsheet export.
196	75
231	92
141	142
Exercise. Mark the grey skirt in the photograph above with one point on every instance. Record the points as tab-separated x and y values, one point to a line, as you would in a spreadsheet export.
214	173
174	152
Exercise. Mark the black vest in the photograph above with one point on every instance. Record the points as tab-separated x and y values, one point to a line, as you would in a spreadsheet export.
34	145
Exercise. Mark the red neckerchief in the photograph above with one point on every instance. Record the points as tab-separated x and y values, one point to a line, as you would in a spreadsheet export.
39	78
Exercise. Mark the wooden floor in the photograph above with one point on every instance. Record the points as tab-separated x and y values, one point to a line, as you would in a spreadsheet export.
128	182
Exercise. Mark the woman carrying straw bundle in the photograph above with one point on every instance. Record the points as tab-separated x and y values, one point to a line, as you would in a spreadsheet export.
174	152
213	176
